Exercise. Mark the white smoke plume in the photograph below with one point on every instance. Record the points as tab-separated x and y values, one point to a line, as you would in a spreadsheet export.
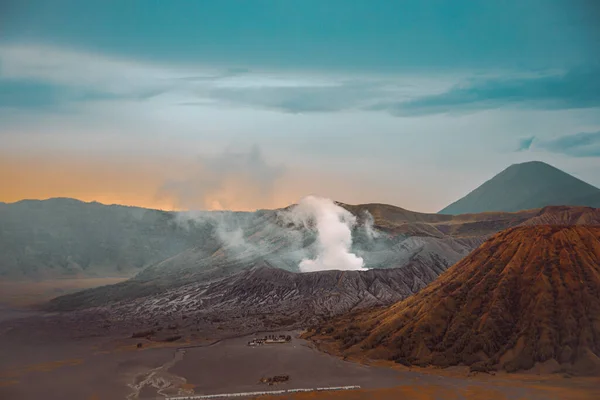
228	226
368	226
333	225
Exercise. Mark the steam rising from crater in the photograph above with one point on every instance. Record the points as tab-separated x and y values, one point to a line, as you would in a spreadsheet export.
334	229
369	226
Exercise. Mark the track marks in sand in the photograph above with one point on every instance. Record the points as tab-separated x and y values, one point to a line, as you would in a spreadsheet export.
161	380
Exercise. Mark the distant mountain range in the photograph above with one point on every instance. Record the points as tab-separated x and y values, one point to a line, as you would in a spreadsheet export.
528	296
527	186
60	237
68	238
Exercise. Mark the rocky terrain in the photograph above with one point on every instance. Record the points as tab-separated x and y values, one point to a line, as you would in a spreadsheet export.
525	186
528	296
565	215
259	298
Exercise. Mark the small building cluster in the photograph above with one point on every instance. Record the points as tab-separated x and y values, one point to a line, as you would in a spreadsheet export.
275	379
269	339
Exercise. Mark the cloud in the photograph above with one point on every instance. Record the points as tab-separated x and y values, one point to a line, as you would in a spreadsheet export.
339	36
577	88
223	181
304	99
525	143
32	95
228	73
48	77
73	76
77	76
583	144
70	68
28	95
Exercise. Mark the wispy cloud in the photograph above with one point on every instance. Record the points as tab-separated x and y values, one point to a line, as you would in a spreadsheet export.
32	95
525	143
76	68
74	76
47	77
28	95
582	144
336	97
577	88
70	76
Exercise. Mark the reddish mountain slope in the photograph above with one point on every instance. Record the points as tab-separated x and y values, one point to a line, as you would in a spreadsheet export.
528	295
565	215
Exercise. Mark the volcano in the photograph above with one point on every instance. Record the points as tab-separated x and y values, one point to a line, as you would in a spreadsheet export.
526	186
527	297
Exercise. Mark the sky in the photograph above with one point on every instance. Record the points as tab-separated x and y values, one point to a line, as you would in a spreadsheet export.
254	104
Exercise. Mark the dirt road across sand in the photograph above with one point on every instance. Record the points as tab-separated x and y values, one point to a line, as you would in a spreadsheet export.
469	391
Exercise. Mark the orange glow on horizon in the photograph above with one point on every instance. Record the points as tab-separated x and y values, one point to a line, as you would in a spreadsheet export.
123	182
140	182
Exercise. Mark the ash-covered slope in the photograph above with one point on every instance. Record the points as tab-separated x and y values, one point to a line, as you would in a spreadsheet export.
528	295
262	297
526	186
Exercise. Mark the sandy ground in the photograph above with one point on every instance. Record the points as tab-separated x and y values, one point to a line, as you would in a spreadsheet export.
113	368
233	365
85	369
236	367
23	294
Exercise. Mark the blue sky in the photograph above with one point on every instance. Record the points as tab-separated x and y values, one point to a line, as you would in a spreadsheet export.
249	104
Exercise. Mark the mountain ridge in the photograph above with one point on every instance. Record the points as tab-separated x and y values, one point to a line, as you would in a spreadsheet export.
63	237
